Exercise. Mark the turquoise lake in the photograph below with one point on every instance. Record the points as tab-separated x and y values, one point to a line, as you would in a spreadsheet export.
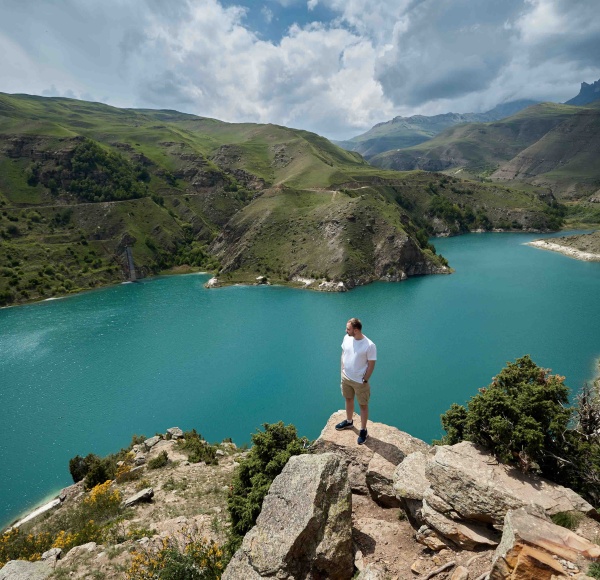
81	375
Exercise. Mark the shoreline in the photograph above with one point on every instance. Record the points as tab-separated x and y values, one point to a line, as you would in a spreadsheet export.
565	250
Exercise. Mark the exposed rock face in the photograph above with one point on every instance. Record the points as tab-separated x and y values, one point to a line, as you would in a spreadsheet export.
304	528
144	495
151	442
462	493
465	535
533	547
477	488
175	432
22	570
371	466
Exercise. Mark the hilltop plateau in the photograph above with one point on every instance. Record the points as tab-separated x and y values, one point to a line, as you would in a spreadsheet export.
80	182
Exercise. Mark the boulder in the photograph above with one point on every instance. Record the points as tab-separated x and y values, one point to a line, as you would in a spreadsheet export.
532	547
144	495
465	535
175	432
151	442
23	570
371	466
79	553
409	480
52	555
305	527
476	487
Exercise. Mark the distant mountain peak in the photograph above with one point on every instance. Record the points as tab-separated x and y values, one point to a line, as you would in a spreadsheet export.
587	94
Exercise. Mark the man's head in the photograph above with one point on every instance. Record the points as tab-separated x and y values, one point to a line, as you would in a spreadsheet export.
354	327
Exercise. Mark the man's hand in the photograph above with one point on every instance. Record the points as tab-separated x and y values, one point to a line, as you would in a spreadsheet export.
369	371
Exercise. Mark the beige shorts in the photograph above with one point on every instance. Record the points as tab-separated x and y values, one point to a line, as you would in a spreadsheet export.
351	388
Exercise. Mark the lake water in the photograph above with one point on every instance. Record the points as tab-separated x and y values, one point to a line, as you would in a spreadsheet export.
81	375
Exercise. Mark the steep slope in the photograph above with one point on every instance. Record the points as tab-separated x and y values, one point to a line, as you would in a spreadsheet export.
587	94
80	182
403	132
565	158
547	145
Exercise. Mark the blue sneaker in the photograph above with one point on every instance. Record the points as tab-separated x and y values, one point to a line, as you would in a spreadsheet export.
345	424
362	436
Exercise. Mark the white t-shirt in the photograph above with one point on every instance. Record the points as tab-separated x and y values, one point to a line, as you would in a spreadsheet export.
355	354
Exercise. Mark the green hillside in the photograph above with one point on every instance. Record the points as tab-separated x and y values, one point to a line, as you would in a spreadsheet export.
80	182
547	145
403	132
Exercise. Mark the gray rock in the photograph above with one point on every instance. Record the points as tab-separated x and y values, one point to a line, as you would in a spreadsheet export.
22	570
139	459
465	535
371	466
409	477
145	495
52	554
78	554
305	527
151	442
175	433
477	488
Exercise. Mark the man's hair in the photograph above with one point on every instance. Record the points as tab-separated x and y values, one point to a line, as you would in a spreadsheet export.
355	323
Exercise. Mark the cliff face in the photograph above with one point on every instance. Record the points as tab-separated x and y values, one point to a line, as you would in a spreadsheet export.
587	94
325	236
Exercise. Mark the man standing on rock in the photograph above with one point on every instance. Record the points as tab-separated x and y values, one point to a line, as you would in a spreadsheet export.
358	361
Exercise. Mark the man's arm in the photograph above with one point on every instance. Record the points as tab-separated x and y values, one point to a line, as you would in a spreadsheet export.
342	362
369	371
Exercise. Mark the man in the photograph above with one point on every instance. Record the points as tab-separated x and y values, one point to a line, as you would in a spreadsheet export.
358	361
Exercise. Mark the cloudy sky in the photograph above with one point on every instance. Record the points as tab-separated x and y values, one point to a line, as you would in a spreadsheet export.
335	67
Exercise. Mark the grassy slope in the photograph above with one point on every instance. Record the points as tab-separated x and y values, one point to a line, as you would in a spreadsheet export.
547	144
479	146
202	172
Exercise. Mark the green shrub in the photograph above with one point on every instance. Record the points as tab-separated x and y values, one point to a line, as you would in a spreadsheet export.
269	454
594	570
199	560
521	416
100	470
197	449
159	461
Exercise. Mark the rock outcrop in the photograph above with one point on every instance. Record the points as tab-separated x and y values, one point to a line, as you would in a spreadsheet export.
22	570
304	528
463	494
371	466
534	547
144	495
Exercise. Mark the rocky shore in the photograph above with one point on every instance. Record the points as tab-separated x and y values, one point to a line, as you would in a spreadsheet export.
393	509
584	247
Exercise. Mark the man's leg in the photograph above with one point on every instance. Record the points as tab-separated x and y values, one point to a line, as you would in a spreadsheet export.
364	414
349	408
